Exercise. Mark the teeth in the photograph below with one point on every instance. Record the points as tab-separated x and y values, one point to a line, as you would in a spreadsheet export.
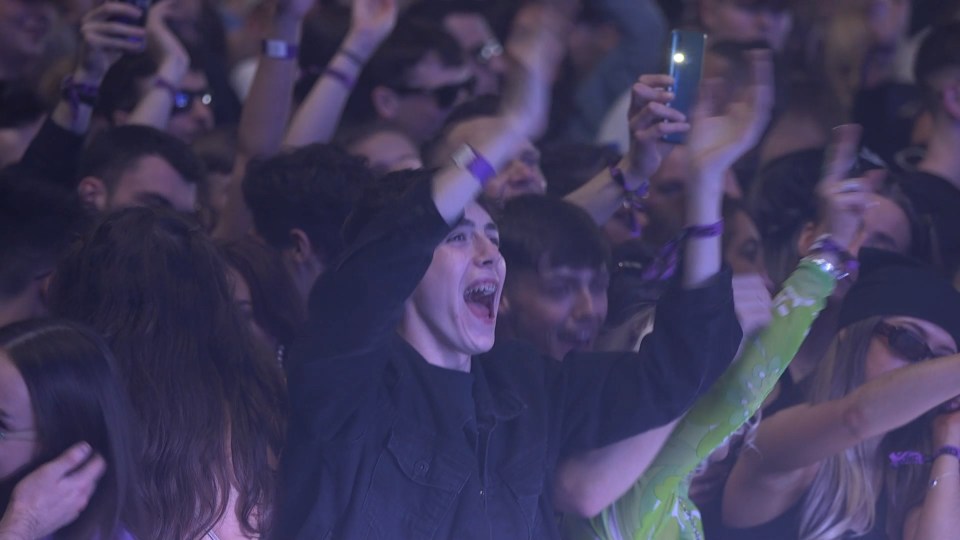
482	290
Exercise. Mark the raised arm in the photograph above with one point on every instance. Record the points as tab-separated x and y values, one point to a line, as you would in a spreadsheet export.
173	63
266	109
317	118
650	118
937	517
55	150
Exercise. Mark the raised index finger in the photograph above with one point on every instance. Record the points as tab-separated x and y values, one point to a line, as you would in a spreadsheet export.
842	153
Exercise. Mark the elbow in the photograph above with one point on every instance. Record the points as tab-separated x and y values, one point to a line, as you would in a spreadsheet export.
575	494
855	421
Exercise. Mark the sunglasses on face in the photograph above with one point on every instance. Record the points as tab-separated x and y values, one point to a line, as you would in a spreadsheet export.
487	52
905	343
443	96
183	99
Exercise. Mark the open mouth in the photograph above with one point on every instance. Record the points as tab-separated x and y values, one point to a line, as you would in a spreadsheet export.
480	298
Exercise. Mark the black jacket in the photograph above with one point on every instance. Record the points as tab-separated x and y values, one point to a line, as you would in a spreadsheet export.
384	445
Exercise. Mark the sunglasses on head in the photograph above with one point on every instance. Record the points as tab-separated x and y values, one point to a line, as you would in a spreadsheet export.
905	343
183	99
444	96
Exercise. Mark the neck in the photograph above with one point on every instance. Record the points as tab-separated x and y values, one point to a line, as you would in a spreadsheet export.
943	153
815	346
436	353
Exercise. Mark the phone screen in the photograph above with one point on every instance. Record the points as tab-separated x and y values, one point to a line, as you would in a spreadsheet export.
687	50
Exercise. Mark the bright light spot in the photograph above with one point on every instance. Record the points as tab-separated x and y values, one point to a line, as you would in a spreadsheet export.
679	58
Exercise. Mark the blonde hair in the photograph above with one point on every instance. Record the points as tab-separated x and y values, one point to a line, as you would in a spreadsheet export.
842	498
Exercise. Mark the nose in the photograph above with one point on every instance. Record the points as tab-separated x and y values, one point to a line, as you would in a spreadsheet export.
486	253
202	114
584	306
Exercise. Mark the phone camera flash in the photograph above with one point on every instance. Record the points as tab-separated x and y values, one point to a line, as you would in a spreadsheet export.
679	58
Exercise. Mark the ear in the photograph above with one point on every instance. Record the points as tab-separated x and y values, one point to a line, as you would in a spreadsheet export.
385	101
951	101
806	238
301	249
93	193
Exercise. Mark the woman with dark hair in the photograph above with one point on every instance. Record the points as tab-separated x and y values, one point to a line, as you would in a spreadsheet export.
210	407
264	294
64	422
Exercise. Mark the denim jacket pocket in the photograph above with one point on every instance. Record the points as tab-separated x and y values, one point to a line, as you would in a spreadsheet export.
414	484
524	478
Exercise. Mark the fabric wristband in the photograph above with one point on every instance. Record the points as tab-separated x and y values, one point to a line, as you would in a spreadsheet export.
712	230
344	79
76	93
468	159
356	58
617	174
160	82
826	244
899	459
280	50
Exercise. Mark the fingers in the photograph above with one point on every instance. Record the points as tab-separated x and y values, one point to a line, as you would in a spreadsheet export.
706	105
842	152
69	459
110	10
761	72
91	471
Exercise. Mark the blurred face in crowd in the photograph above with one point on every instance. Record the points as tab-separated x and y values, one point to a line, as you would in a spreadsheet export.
144	182
885	226
24	29
244	302
747	20
666	203
558	309
420	106
898	347
743	248
387	151
521	176
192	115
481	48
18	444
30	302
453	310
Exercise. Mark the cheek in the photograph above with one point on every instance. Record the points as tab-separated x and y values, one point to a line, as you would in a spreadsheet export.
15	456
881	361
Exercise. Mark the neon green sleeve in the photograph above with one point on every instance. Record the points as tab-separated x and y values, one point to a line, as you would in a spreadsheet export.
657	506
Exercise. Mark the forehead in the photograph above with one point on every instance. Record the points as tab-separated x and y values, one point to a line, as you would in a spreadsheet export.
194	81
884	215
477	216
14	398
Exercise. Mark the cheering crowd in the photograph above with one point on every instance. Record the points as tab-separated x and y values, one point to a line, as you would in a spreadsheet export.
464	269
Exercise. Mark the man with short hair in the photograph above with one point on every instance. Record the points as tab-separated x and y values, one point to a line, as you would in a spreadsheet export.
555	295
934	188
299	202
37	221
466	22
413	81
138	165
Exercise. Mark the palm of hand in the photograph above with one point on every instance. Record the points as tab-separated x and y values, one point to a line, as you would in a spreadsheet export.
375	17
718	141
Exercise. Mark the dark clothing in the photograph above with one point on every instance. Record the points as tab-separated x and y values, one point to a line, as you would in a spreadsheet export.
53	154
786	526
937	202
384	445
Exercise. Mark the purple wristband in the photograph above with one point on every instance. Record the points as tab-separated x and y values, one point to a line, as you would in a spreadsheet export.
899	459
160	82
617	174
703	231
76	93
826	244
281	50
468	159
353	57
344	79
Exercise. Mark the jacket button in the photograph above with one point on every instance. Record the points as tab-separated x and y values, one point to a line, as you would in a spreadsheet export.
421	467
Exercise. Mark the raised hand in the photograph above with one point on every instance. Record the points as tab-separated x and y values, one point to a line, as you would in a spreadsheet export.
843	200
752	302
719	137
371	21
171	56
54	495
106	39
650	118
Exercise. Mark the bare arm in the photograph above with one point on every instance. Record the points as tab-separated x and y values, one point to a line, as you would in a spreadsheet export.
317	118
937	517
265	113
173	62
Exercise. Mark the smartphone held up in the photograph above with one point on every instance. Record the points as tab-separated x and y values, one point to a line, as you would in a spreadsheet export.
142	5
687	51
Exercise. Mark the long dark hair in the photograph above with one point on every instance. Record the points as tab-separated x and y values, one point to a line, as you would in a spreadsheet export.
76	395
210	406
